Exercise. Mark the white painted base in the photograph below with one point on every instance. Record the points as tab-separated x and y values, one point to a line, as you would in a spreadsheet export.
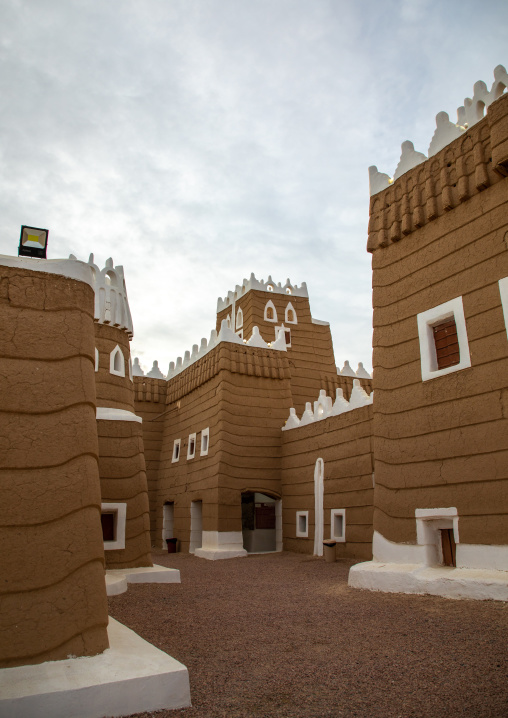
478	584
132	676
115	585
145	574
217	545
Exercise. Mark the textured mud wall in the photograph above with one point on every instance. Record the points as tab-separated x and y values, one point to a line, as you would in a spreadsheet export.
52	593
150	404
113	391
311	359
344	444
442	442
242	395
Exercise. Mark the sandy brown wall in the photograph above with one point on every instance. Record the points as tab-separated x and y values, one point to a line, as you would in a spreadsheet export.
443	442
123	479
112	391
150	405
344	444
52	594
242	395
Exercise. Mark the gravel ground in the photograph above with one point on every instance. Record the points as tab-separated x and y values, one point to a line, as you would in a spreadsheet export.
283	635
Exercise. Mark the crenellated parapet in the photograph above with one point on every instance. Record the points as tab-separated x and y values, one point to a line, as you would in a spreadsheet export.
111	303
261	286
325	407
468	115
475	160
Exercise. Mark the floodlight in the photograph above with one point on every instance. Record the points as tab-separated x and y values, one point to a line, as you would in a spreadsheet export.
33	242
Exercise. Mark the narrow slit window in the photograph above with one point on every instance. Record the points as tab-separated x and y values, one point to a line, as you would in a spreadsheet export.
176	450
447	343
205	438
191	448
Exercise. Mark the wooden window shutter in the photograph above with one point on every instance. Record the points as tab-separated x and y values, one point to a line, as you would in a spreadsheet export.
447	343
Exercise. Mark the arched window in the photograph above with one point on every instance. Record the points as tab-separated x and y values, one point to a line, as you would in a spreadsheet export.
270	312
239	318
290	315
117	362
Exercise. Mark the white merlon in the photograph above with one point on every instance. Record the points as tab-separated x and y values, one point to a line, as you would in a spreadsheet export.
71	268
323	407
346	370
111	303
362	372
155	372
468	114
226	334
109	414
261	285
136	369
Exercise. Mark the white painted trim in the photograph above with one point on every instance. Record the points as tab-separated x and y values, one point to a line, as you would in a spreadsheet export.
130	369
428	524
130	676
176	457
117	372
482	556
290	308
503	291
239	319
71	268
106	413
386	551
319	472
205	434
340	538
426	320
216	545
96	359
272	306
191	442
121	517
147	574
284	329
305	532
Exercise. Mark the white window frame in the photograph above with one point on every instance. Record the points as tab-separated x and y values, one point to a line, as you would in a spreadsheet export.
177	443
284	329
333	535
272	305
112	356
503	291
239	319
121	518
290	308
426	321
192	438
305	532
205	433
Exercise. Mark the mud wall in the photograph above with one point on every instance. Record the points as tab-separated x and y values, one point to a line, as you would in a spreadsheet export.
52	594
113	391
344	444
442	442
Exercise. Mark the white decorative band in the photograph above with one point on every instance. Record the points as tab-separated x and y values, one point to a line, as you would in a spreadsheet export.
109	414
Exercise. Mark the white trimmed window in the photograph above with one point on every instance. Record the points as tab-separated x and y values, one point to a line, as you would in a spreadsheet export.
191	447
270	312
239	318
443	340
117	362
287	334
290	315
302	524
338	525
96	359
205	441
113	518
503	291
176	450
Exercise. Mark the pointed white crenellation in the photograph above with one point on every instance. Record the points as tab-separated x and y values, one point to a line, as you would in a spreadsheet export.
362	372
340	405
359	396
228	335
346	370
257	340
280	342
261	285
136	369
323	406
155	372
171	370
308	415
111	303
468	114
292	422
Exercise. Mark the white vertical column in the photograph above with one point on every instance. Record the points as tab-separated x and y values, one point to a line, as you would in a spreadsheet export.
318	507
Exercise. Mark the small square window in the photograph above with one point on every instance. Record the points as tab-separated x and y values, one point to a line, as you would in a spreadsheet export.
205	438
113	519
443	340
176	450
338	525
191	448
302	524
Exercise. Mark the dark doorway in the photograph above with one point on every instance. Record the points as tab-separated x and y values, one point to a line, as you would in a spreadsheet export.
448	547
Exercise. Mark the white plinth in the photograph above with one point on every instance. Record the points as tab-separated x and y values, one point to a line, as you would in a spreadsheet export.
117	579
478	584
217	545
132	676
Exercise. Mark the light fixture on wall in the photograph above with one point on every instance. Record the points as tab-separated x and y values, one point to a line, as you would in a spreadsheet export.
33	242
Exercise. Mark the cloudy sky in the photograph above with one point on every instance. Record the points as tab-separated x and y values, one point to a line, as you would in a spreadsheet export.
197	141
